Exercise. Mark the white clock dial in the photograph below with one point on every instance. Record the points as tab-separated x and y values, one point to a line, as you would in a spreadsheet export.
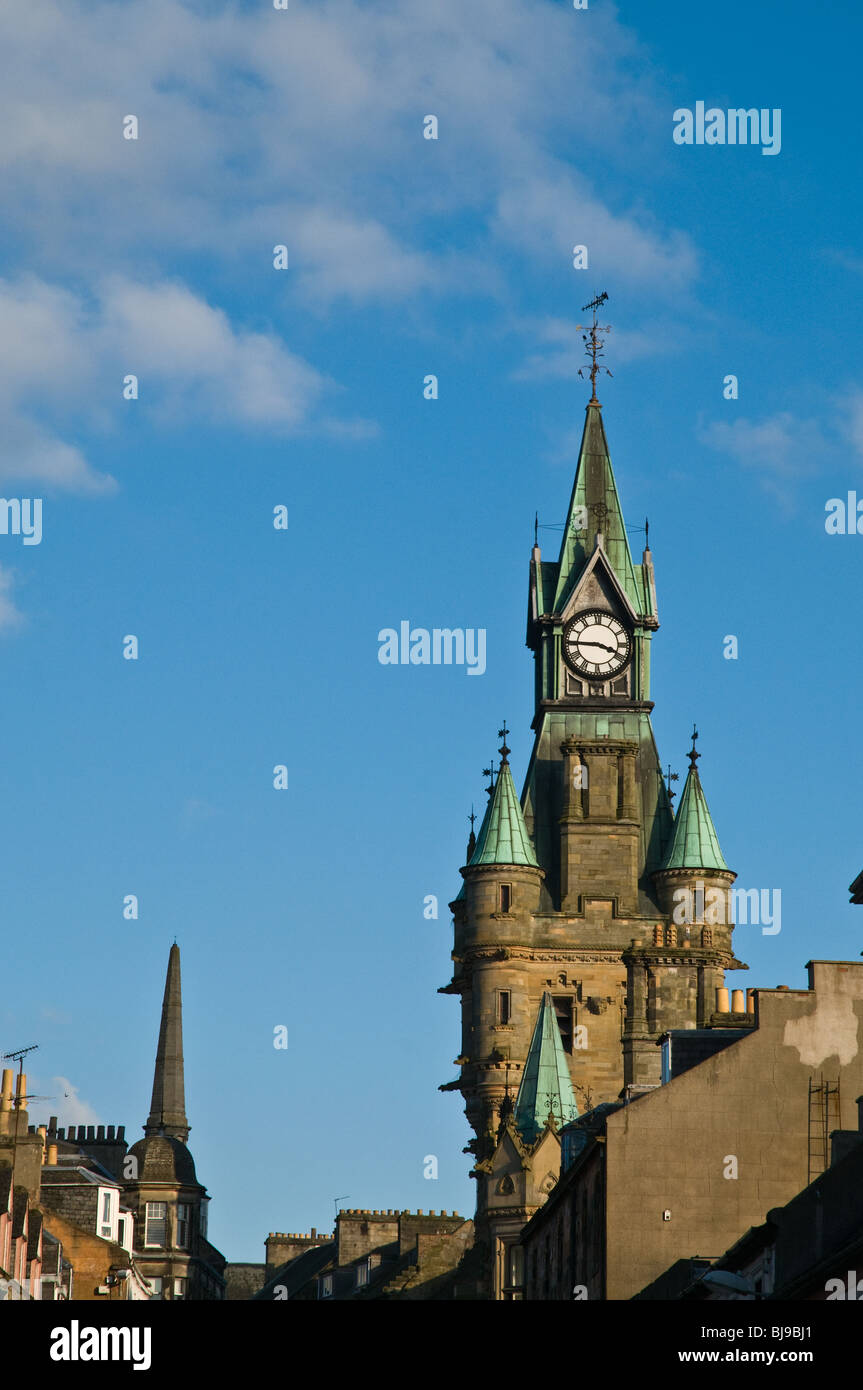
596	644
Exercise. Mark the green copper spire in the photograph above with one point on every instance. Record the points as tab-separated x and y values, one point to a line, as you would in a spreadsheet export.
594	499
546	1086
503	837
694	844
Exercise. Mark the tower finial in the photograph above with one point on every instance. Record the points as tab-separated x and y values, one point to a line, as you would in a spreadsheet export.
489	773
669	778
471	843
593	344
693	756
503	750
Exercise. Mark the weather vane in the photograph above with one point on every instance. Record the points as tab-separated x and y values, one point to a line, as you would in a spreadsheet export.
593	344
504	751
693	756
670	777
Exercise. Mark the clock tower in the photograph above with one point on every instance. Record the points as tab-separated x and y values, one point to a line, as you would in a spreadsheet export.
581	891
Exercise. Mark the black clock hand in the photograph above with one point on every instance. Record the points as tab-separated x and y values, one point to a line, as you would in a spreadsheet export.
601	645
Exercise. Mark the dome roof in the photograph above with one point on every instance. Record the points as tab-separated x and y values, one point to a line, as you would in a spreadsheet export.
161	1159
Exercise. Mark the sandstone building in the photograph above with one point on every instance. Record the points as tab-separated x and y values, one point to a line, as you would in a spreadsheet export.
574	889
680	1173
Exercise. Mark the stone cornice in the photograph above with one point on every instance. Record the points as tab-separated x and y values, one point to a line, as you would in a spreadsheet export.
495	870
586	956
595	745
687	875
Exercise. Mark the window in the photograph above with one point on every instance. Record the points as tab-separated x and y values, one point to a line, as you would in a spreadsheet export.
504	1005
505	897
156	1286
666	1061
325	1286
563	1008
362	1273
184	1212
106	1229
156	1225
513	1289
179	1288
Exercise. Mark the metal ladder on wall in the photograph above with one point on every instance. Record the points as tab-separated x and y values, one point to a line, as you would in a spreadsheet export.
824	1116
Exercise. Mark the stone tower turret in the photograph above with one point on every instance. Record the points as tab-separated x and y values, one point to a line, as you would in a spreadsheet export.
672	978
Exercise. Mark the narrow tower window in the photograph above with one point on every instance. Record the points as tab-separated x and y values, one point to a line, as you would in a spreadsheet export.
504	1005
563	1007
505	897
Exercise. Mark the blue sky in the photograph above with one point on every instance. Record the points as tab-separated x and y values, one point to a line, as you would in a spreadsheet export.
303	387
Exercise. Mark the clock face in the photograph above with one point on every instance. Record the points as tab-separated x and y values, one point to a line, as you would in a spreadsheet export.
596	644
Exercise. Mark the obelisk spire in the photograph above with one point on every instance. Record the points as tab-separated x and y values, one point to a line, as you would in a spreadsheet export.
168	1106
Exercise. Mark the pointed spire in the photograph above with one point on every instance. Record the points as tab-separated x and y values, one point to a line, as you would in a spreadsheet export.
168	1105
471	841
503	837
546	1086
595	501
694	843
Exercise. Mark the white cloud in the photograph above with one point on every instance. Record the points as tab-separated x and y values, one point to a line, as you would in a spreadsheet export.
548	215
168	334
68	355
249	113
260	127
66	1104
562	349
10	616
851	406
781	449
